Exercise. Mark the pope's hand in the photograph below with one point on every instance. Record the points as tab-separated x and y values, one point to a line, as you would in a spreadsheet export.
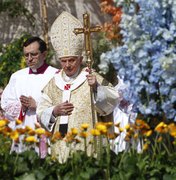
92	81
63	109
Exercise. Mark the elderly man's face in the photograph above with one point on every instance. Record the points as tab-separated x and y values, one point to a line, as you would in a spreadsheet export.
70	65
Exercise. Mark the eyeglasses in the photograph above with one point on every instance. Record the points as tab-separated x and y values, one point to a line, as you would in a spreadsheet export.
33	55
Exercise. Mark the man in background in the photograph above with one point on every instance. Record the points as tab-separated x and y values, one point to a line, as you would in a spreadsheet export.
21	95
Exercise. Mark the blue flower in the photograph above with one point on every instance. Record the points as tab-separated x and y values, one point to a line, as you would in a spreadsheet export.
147	59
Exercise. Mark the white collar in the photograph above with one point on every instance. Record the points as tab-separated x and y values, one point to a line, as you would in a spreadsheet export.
61	83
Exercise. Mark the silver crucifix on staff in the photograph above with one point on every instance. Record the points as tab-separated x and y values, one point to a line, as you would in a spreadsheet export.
87	30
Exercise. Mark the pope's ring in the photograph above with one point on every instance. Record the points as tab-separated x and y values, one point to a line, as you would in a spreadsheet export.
65	112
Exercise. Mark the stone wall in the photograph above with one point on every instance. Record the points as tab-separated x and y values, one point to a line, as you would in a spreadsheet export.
11	28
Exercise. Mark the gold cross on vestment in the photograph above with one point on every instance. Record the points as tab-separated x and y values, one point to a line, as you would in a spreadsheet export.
87	30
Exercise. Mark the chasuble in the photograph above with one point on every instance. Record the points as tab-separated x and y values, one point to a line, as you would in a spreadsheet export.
76	92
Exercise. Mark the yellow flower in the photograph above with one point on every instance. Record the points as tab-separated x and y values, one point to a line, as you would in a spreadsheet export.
101	127
31	139
3	122
128	136
173	134
40	131
159	139
171	126
14	135
21	130
84	126
131	130
6	130
69	138
148	133
121	129
161	128
48	134
28	128
140	124
18	121
56	136
136	135
95	132
145	146
74	131
172	129
83	134
111	135
108	124
127	127
31	132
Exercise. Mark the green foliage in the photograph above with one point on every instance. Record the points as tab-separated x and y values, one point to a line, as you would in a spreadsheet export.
5	144
50	54
14	8
124	166
102	45
11	59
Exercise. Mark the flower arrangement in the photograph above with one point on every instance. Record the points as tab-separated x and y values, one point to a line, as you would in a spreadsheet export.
147	59
111	29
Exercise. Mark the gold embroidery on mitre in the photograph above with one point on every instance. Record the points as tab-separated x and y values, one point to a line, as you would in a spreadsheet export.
63	39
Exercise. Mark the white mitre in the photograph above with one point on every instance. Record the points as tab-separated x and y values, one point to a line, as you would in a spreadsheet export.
63	39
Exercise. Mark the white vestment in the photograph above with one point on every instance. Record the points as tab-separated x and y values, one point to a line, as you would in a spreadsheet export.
78	93
123	115
106	98
23	83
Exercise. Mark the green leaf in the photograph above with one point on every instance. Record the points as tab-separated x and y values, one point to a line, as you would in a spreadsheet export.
169	177
26	176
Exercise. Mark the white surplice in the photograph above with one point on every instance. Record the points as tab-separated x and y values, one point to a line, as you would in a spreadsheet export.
23	83
123	115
